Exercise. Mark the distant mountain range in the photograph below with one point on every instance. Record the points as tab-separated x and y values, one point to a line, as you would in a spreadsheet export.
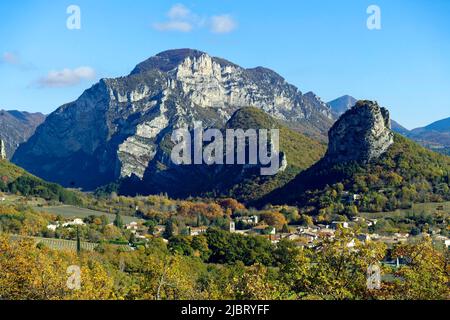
16	127
435	136
117	135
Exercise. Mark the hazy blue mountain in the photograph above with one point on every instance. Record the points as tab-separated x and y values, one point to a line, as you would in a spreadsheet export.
399	128
435	136
16	127
342	104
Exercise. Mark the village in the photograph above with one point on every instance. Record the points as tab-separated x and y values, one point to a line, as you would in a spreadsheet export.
303	236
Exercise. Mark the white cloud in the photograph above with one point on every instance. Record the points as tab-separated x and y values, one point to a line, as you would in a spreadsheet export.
10	58
182	19
66	77
178	11
181	26
223	24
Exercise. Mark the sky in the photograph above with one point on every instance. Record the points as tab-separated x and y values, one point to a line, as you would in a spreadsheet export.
47	59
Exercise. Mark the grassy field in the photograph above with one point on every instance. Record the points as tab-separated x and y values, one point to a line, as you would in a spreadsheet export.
71	212
417	208
61	244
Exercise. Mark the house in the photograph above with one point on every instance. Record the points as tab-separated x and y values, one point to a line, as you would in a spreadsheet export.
75	222
308	229
371	222
342	224
327	233
53	227
323	226
133	226
444	240
310	236
196	231
252	220
292	236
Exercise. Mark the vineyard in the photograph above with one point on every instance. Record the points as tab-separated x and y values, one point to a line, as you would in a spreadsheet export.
61	244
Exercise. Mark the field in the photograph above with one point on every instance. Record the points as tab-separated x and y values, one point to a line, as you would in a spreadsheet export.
15	199
417	209
75	212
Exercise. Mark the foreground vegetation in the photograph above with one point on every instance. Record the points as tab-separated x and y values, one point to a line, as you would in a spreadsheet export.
162	272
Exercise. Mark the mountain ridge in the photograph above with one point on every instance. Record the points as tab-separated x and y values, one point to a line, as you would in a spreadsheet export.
116	128
17	127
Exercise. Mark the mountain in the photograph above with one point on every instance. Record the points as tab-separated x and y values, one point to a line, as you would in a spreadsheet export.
435	136
119	127
17	180
396	127
384	170
16	127
439	126
342	104
362	134
242	182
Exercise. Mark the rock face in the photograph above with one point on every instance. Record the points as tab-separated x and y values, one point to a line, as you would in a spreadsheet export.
362	134
2	150
119	127
16	127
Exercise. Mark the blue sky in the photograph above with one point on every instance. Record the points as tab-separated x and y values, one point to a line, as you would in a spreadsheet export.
321	45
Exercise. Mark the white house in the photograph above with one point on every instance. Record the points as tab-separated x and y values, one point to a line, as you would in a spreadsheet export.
75	222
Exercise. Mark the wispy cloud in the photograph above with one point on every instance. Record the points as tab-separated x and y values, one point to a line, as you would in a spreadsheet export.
10	58
66	77
181	26
13	59
182	19
223	24
179	11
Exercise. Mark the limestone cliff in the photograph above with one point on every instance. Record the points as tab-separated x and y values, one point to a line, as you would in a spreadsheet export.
361	134
117	128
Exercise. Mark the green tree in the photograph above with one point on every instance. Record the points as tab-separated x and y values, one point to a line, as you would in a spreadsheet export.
118	222
169	229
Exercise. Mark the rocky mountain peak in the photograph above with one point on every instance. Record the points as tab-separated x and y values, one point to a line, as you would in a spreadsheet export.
171	59
117	128
362	134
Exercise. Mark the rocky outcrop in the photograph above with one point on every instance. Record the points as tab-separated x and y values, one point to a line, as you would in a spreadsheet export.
362	134
118	128
16	127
